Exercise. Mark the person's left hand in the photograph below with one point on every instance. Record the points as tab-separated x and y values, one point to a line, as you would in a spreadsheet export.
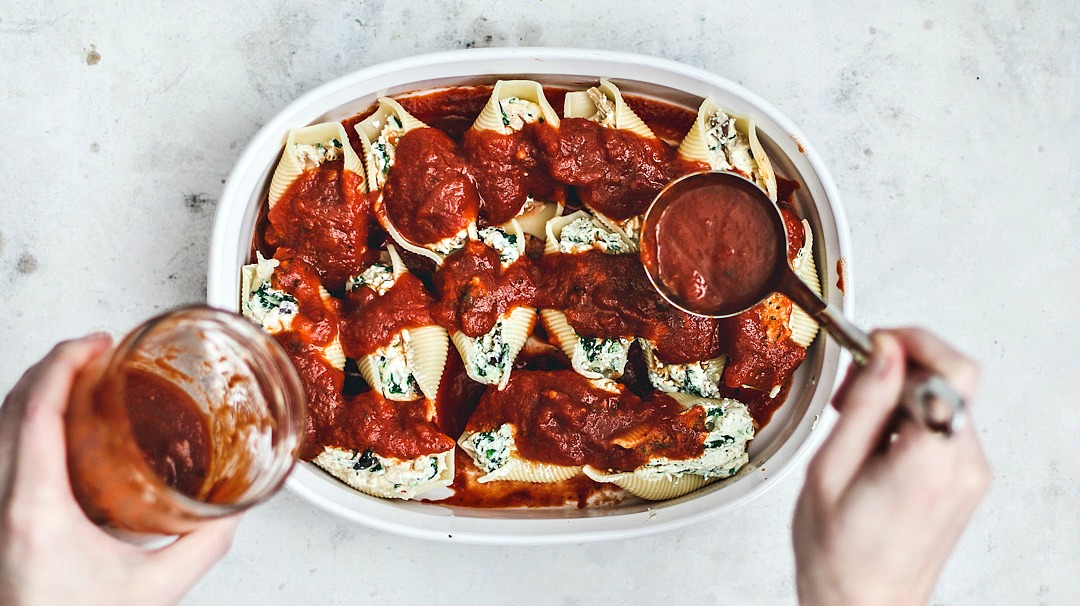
50	553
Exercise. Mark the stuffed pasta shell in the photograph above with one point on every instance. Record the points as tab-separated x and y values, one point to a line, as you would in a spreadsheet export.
700	379
495	453
282	302
726	428
724	141
489	358
427	200
363	454
632	165
604	105
308	148
594	358
513	104
401	362
380	134
505	156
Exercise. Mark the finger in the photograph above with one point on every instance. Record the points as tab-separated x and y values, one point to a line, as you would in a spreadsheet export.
867	404
935	354
953	465
839	397
46	392
174	569
51	378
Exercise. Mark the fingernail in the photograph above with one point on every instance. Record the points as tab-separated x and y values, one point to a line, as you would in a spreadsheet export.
98	336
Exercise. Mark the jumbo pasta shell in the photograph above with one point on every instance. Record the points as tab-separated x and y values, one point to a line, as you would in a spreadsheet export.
803	327
569	341
516	328
766	176
396	264
559	330
427	349
425	251
520	470
369	370
712	369
371	127
491	117
334	354
629	229
290	167
373	372
533	219
554	228
652	487
252	277
339	464
695	147
583	104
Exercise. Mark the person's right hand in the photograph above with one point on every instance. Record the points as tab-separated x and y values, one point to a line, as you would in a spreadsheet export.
50	553
879	513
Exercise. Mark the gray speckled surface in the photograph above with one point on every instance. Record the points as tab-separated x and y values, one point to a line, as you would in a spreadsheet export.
952	132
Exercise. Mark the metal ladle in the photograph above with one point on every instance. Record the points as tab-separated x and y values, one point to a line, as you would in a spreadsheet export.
926	397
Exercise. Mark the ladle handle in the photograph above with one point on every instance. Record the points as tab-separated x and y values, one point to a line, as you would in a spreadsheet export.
926	397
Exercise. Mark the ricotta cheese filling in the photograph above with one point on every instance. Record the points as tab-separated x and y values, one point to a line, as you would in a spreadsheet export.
487	357
730	428
270	308
605	108
379	277
505	243
448	245
384	147
700	379
586	233
490	450
396	370
380	474
728	148
312	155
600	357
517	112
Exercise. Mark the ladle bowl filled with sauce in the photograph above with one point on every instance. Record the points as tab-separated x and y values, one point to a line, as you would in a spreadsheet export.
666	95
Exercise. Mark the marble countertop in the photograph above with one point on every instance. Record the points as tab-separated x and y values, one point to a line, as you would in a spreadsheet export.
952	131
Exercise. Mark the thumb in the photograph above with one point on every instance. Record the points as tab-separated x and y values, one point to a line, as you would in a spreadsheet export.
173	570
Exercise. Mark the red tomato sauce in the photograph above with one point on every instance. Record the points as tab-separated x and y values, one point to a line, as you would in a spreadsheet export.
580	490
562	419
322	384
429	195
390	429
762	354
615	172
715	246
667	121
609	296
474	289
170	429
373	321
508	169
318	319
323	218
